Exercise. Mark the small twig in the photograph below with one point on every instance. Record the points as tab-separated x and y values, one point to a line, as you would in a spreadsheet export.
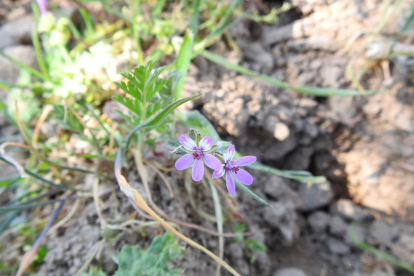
159	166
167	183
86	264
104	224
39	124
66	218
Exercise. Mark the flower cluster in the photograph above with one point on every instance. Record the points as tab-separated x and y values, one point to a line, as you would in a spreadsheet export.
202	152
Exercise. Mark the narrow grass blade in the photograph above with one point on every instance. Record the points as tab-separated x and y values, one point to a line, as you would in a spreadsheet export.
225	20
315	91
253	195
5	209
377	252
158	8
185	55
4	85
36	44
23	66
87	19
183	62
194	119
301	176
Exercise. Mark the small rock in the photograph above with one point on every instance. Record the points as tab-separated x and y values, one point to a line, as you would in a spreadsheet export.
274	186
383	233
16	32
90	234
407	241
318	221
360	233
22	53
281	131
337	225
284	217
315	196
337	247
291	271
331	75
349	210
256	53
110	110
401	253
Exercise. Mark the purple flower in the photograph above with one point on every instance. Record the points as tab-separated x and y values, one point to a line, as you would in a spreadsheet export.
197	156
232	170
42	6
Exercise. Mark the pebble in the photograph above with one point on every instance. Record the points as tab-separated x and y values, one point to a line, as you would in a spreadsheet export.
349	210
318	221
316	195
337	247
291	271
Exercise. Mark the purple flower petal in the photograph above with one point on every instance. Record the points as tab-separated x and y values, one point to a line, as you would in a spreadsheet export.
228	156
243	177
244	161
184	162
231	187
198	170
219	173
187	142
206	143
42	6
212	162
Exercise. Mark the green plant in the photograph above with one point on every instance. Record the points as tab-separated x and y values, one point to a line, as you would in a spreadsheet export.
253	246
154	261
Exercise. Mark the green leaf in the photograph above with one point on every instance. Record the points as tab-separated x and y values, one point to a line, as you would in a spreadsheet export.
194	119
301	176
315	91
161	115
156	260
183	61
253	195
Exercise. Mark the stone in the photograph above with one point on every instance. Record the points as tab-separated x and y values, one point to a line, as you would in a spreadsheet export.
337	225
406	241
283	217
337	247
291	271
274	186
110	110
22	53
316	195
383	233
360	234
318	221
16	32
349	210
330	76
281	131
401	253
257	53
